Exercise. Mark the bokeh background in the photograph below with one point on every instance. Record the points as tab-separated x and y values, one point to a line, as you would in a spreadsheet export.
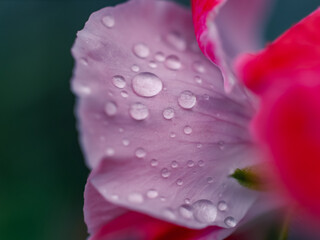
43	173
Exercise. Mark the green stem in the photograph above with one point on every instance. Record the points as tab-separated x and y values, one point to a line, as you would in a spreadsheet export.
285	226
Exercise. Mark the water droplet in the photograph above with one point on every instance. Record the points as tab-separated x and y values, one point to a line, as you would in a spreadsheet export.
154	162
221	145
172	135
199	145
119	81
187	99
230	222
200	163
135	68
198	67
179	182
159	56
124	94
209	180
163	199
138	111
114	197
108	21
168	113
140	153
187	201
84	61
187	130
206	97
125	142
190	163
175	40
135	198
165	173
111	108
222	206
153	64
152	193
168	213
186	211
174	164
81	89
146	84
110	152
141	50
198	79
173	62
204	211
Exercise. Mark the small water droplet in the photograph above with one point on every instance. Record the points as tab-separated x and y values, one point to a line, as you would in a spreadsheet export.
198	79
159	56
124	94
119	81
153	64
125	142
230	222
174	164
209	180
141	50
146	84
138	111
206	97
172	135
222	206
187	130
163	199
199	145
140	153
135	198
154	162
110	152
135	68
187	201
81	89
190	163
152	193
168	213
108	21
198	67
200	163
168	113
179	182
187	99
114	197
221	145
173	62
204	211
175	40
165	173
111	108
186	211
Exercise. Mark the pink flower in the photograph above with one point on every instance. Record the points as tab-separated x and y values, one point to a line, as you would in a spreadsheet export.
162	127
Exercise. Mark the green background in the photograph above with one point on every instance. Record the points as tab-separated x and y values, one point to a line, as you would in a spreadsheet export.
42	168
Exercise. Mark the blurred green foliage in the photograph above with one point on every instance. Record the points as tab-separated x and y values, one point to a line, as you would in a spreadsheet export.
42	168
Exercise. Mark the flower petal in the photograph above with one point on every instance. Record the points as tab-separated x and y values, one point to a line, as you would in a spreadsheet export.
226	28
158	127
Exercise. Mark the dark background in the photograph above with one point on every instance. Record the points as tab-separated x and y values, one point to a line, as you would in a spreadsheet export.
42	169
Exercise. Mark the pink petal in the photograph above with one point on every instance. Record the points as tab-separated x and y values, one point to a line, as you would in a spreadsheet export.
166	134
226	28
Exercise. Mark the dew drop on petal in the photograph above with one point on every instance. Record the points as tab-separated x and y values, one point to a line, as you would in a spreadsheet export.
174	164
125	142
190	163
138	111
173	62
154	162
165	173
172	135
118	81
135	68
187	99
124	94
110	152
141	50
168	113
140	153
108	21
81	89
209	180
153	64
179	182
175	40
198	67
135	198
222	206
110	109
186	211
200	163
198	79
187	130
146	84
230	222
169	214
204	211
152	193
159	56
187	201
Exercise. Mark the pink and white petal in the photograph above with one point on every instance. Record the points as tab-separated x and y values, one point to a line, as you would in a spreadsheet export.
225	29
159	131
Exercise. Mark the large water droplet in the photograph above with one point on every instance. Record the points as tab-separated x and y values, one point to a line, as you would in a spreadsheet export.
204	211
186	211
141	50
173	62
108	21
119	81
222	206
146	84
175	40
168	113
111	108
135	198
165	173
152	193
187	99
187	130
138	111
140	153
230	222
160	57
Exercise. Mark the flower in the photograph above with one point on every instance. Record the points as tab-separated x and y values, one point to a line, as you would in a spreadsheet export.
162	127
